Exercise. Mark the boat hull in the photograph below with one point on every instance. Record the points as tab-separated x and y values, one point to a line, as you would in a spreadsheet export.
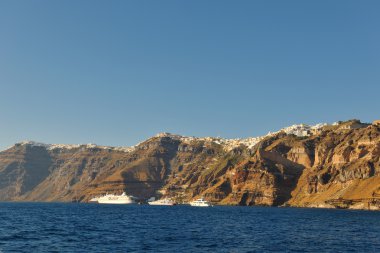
161	204
116	199
200	205
124	202
200	202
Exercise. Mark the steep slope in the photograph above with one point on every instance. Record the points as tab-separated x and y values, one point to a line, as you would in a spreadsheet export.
22	168
320	166
346	166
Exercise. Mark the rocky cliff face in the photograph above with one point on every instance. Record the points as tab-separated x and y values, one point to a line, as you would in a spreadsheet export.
346	166
300	166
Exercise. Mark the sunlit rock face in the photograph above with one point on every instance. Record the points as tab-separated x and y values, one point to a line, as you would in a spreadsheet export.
299	166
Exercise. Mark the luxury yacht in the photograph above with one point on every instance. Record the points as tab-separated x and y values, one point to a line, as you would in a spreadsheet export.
200	202
162	202
116	199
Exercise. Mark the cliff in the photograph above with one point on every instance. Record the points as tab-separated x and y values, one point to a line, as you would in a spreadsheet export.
324	166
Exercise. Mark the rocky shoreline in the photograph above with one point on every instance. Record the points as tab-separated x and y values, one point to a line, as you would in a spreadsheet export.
323	166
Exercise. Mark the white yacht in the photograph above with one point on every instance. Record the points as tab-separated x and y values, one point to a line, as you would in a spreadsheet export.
162	202
200	202
94	199
116	199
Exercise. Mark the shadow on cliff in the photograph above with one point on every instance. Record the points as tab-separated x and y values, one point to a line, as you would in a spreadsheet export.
144	177
29	167
285	175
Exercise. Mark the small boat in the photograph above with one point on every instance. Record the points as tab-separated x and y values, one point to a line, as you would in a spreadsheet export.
94	200
200	202
162	202
116	199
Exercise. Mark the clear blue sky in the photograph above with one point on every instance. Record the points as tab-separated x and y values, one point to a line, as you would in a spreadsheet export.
118	72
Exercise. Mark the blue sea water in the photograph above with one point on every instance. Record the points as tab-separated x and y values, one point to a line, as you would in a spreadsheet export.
59	227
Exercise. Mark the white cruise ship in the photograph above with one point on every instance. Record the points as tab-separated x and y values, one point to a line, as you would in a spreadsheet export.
200	202
162	202
116	199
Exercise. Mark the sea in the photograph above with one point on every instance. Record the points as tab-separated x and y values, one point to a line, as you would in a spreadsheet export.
76	227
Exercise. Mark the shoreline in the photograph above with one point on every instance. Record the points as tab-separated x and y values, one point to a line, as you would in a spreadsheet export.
326	207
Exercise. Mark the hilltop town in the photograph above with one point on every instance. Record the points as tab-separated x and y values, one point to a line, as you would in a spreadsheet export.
327	165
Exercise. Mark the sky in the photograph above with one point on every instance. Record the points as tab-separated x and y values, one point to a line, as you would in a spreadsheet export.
118	72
